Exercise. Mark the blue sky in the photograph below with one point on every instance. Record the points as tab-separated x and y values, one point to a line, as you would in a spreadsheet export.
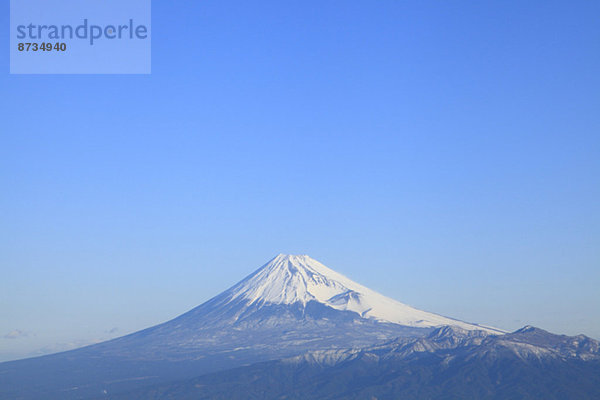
445	154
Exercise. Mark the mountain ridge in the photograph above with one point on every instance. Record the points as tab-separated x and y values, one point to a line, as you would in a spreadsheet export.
449	363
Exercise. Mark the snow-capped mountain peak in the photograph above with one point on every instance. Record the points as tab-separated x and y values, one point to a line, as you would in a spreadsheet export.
289	279
299	279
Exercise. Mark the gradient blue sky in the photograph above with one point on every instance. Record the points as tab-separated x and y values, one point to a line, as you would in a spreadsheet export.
446	154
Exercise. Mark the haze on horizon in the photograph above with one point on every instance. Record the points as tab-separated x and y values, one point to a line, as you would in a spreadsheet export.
444	155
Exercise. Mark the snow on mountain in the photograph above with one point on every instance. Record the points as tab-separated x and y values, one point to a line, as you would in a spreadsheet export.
299	279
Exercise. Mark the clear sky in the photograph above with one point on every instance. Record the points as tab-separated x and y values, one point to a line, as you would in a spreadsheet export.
446	154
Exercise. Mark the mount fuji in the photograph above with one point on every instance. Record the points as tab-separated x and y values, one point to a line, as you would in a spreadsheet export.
303	283
288	305
291	305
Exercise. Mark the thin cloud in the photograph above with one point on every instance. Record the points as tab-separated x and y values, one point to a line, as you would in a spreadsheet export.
16	334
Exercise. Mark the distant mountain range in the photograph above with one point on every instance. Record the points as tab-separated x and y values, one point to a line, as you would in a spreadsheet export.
449	363
297	329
